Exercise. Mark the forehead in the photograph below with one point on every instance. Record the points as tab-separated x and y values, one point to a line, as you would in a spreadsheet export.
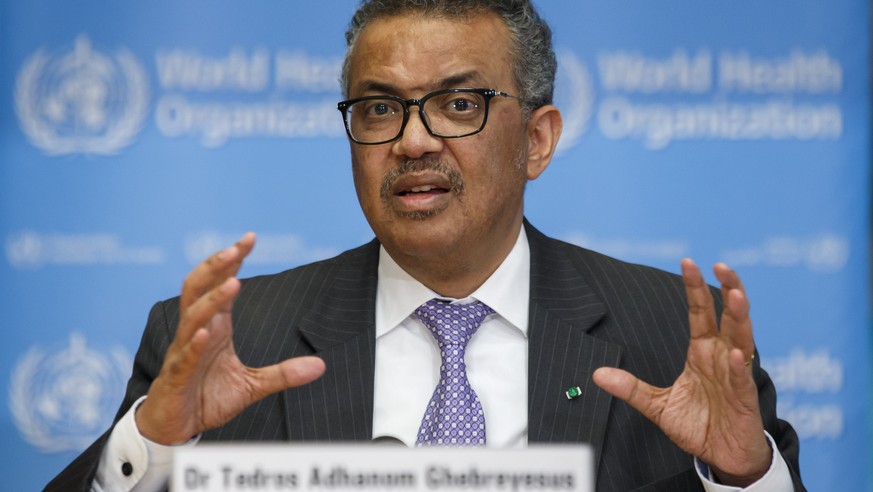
411	53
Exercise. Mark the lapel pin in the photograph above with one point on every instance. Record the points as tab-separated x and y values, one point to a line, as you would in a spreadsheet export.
573	393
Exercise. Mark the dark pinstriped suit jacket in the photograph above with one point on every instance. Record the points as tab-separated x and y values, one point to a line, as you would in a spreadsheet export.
586	311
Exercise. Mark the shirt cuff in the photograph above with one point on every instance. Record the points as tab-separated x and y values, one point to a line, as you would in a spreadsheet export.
777	478
130	462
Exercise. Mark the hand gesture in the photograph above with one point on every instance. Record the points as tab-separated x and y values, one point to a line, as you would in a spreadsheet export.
711	411
202	383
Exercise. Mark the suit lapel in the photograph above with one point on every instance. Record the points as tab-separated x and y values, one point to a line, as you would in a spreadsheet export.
562	352
340	327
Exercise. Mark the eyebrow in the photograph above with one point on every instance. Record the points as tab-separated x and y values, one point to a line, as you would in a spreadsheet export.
459	80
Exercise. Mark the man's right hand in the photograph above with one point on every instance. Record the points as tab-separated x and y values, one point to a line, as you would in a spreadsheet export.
202	383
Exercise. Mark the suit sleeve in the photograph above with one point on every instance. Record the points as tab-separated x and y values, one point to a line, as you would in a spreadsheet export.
787	442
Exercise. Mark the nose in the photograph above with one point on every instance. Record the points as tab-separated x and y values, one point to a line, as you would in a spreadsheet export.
416	141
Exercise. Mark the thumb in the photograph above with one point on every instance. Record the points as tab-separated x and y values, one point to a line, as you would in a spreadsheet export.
302	370
627	387
289	373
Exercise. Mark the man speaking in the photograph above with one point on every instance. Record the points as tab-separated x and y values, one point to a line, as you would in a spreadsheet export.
448	114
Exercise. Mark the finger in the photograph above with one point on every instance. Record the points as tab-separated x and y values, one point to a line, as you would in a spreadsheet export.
216	269
182	363
736	325
730	280
645	398
201	312
741	379
290	373
701	312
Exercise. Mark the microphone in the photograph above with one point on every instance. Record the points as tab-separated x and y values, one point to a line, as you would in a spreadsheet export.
387	441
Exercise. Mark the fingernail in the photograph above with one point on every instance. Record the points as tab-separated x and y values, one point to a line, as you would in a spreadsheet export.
226	286
225	252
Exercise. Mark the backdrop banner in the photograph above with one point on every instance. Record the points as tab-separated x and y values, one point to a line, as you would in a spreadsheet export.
136	138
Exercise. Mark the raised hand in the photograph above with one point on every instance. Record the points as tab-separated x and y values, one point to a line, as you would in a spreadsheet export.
711	411
202	383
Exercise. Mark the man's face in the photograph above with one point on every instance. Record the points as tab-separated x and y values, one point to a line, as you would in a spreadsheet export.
425	196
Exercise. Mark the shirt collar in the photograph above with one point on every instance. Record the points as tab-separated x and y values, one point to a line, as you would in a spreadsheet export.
506	291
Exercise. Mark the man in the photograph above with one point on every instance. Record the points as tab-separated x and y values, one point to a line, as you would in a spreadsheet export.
449	114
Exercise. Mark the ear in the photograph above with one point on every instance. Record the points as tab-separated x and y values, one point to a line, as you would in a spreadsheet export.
543	130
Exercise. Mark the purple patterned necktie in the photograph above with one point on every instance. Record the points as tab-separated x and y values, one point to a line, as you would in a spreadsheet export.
454	415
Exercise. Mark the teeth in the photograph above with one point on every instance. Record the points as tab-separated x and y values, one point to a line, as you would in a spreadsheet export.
420	189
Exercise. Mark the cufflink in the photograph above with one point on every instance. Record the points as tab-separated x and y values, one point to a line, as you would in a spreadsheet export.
574	392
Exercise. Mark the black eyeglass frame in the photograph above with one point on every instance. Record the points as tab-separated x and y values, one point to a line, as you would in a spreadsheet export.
488	94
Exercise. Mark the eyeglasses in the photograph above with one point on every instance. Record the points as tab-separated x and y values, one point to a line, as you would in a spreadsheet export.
450	113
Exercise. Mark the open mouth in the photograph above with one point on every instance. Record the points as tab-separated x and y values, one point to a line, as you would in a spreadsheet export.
423	190
421	183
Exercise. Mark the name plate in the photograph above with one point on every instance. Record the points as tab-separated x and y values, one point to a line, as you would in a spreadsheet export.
283	467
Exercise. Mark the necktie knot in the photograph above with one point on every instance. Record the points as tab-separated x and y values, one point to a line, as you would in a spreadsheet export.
452	324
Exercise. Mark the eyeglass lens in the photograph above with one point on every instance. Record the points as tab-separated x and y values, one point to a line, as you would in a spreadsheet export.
453	114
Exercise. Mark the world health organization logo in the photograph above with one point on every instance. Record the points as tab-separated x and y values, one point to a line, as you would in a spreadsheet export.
82	101
62	400
574	94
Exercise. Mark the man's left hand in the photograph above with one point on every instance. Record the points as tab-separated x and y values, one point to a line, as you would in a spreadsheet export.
711	411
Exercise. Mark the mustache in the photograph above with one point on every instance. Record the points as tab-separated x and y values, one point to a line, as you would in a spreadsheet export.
418	165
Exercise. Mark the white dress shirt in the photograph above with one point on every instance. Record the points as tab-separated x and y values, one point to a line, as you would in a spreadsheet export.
408	358
407	371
